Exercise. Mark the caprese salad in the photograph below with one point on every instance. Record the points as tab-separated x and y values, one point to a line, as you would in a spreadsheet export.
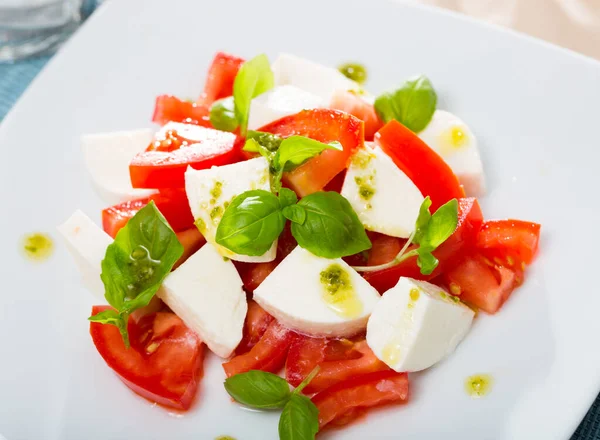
323	241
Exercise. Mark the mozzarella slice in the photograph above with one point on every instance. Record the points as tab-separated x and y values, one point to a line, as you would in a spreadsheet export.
417	324
453	140
87	244
206	293
384	198
210	192
310	76
107	157
317	296
279	102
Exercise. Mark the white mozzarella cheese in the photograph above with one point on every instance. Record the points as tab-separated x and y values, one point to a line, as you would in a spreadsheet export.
307	75
417	324
317	296
107	157
87	244
454	141
279	102
206	293
210	192
384	198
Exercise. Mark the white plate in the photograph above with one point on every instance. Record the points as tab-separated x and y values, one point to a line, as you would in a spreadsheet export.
533	106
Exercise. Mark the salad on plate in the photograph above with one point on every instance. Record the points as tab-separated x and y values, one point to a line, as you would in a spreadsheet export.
322	241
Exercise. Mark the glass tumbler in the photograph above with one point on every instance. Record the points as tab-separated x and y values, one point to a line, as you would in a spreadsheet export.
29	27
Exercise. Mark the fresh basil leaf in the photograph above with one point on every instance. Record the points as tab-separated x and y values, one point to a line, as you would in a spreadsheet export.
111	316
331	228
296	150
295	213
426	260
254	147
222	115
299	419
136	263
251	223
254	77
413	104
268	140
441	226
423	219
258	389
287	197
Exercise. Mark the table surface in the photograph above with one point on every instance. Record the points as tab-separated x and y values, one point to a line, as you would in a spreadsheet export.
14	79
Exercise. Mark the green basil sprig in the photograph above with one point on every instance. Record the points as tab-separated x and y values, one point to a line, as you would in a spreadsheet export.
299	419
430	232
412	104
324	223
222	114
135	265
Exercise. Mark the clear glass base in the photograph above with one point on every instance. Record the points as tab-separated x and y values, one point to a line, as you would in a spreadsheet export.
31	27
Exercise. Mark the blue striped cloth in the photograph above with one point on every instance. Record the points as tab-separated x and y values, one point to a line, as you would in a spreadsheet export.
14	79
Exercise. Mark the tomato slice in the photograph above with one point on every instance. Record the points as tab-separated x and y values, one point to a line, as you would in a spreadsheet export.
345	398
191	240
203	148
349	102
267	355
339	359
221	74
479	282
421	164
255	326
323	125
172	109
164	362
516	238
172	203
470	219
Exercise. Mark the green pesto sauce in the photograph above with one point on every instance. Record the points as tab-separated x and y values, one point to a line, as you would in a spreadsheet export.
216	191
201	225
354	71
270	141
37	246
362	158
216	212
335	278
366	190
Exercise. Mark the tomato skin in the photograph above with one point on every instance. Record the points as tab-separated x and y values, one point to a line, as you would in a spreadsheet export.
517	238
352	103
470	220
169	108
172	203
166	169
164	362
338	360
326	126
191	240
421	164
256	324
268	354
347	398
220	78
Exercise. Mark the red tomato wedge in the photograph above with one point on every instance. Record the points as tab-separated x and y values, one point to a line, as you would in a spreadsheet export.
470	219
477	281
352	103
421	164
172	109
323	125
172	203
338	360
116	217
221	74
518	239
369	390
267	355
191	240
203	148
164	363
255	326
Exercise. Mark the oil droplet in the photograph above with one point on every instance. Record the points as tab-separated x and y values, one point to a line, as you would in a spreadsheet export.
391	353
414	294
454	139
339	293
225	437
37	246
478	385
